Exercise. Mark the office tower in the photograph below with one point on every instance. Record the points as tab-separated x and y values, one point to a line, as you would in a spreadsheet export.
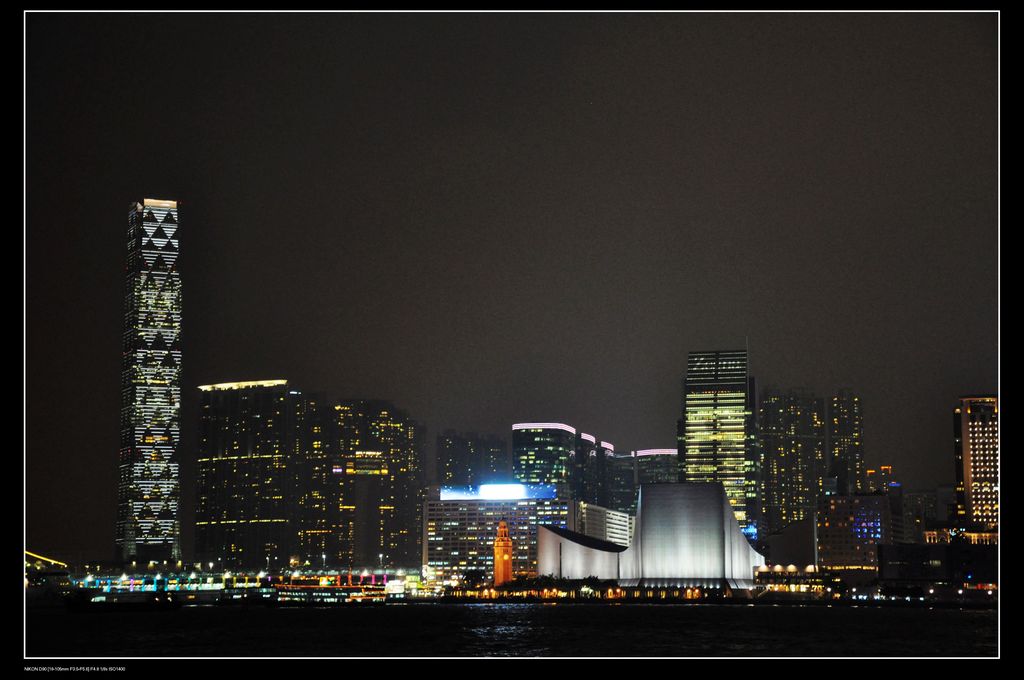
792	427
379	465
622	483
976	454
717	435
502	555
471	459
589	468
319	523
459	527
846	442
542	454
454	453
657	466
245	468
850	529
148	488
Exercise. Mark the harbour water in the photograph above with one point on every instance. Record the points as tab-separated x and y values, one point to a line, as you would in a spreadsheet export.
546	630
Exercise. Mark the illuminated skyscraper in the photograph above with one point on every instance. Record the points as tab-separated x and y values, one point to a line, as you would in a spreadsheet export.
657	466
846	442
976	452
148	488
717	438
248	434
380	470
471	459
589	470
542	453
792	428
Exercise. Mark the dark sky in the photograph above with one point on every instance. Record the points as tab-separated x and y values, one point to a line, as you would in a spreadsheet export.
493	218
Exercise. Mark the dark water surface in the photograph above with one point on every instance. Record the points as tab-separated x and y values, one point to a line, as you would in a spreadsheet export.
514	630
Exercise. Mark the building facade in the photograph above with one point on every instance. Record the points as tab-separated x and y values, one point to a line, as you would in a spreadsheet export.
471	459
148	524
245	475
717	434
846	442
460	525
380	470
604	523
976	456
542	454
793	441
849	530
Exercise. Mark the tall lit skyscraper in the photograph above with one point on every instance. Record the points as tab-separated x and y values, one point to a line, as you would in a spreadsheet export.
846	442
381	475
717	439
976	451
148	488
792	428
245	497
542	453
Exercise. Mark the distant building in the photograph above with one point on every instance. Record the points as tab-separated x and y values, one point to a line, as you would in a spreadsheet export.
380	471
717	434
976	454
542	454
846	442
793	440
148	491
941	535
919	513
589	468
877	480
471	459
245	474
657	466
850	529
460	524
622	484
604	523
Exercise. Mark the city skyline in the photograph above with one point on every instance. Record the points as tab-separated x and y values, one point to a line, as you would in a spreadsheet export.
462	310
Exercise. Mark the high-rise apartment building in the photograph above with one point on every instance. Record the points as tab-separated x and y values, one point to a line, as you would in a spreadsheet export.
846	442
147	526
248	439
976	454
471	459
380	469
717	435
793	433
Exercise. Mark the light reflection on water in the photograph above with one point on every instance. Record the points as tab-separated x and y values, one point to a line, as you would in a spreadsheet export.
517	629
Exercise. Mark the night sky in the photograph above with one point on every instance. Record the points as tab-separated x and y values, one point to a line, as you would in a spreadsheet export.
492	219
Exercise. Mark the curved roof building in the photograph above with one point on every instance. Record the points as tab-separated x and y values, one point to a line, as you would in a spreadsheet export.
686	535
